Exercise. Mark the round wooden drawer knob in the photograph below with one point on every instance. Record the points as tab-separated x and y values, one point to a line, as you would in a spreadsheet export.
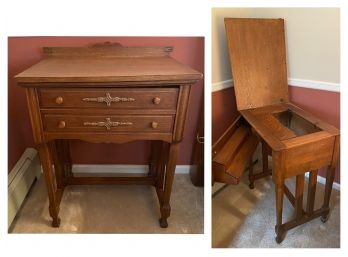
156	100
59	100
61	124
154	124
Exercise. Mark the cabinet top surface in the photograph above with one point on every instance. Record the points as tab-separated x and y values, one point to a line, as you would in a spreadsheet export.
108	64
281	125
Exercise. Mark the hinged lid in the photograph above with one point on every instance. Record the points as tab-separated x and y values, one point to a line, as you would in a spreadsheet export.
258	61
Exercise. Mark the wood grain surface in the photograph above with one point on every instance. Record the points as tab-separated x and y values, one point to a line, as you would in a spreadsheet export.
108	94
92	69
258	60
299	142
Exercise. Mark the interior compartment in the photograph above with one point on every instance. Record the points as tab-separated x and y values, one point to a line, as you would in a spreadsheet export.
296	123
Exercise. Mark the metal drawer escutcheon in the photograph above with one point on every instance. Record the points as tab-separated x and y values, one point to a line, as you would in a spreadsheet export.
108	124
108	99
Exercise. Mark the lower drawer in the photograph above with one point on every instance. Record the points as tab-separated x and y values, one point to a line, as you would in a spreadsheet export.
112	123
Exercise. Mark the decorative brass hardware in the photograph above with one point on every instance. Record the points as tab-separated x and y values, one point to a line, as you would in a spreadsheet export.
108	99
59	100
61	124
154	124
108	124
156	100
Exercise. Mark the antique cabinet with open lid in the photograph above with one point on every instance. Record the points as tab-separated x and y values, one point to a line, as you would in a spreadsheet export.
108	93
297	141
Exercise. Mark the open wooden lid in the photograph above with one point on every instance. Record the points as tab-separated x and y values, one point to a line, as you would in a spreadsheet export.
258	61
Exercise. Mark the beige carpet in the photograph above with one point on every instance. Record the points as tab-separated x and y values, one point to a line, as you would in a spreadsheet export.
246	218
113	209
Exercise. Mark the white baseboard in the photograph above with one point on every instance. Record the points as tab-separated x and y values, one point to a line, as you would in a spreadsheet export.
222	85
121	169
318	85
304	83
322	180
20	180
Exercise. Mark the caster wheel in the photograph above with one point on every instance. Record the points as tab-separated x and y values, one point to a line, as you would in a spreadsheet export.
163	223
251	186
324	218
56	223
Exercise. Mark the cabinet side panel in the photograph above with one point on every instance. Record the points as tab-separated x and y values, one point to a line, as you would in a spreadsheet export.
180	118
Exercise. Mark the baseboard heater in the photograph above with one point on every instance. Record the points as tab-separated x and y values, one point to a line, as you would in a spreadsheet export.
20	179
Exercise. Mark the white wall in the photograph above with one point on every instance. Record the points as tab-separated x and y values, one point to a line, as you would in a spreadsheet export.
312	38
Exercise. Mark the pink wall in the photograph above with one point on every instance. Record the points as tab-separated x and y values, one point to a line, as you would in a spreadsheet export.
26	51
323	104
224	111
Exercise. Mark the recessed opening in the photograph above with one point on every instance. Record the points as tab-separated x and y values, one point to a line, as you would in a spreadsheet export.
296	123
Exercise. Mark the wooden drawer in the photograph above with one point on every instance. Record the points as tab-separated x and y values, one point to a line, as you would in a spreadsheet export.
144	98
105	123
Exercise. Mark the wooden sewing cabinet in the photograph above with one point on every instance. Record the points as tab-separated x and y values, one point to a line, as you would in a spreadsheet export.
297	141
111	94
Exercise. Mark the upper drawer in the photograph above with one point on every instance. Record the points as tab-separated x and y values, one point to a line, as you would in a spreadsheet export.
144	98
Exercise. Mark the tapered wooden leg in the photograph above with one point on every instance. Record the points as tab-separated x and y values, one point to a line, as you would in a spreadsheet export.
58	164
161	164
264	158
312	184
265	171
330	175
299	196
279	190
251	173
60	151
47	166
154	155
168	183
64	151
